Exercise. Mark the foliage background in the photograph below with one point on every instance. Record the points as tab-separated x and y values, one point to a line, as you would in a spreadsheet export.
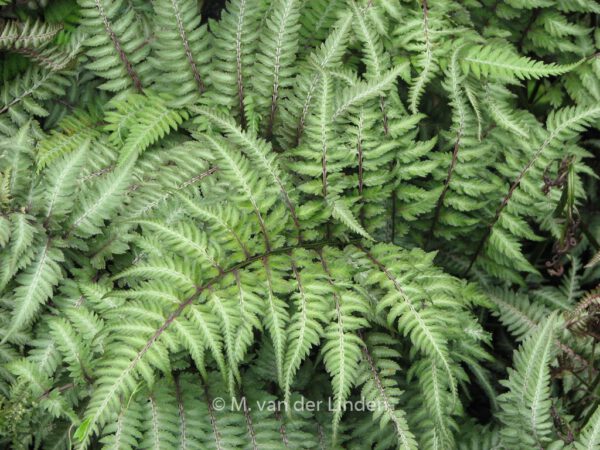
167	237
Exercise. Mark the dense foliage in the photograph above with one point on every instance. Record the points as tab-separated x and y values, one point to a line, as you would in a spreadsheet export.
213	214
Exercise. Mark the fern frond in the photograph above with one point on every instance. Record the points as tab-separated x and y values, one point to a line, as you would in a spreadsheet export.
100	202
116	379
161	417
233	56
341	212
247	291
590	435
4	231
517	313
71	348
306	324
422	326
249	187
125	433
62	182
317	19
377	373
180	42
375	58
526	406
75	131
151	122
502	62
438	403
35	286
503	113
29	89
31	33
427	62
561	125
116	43
363	91
593	260
222	218
341	351
18	253
581	318
185	239
276	316
260	152
225	309
297	104
277	51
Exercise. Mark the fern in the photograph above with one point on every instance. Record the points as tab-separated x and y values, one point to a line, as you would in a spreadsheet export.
18	35
502	63
526	406
377	370
276	53
35	285
116	43
299	224
181	42
151	121
235	54
590	435
561	126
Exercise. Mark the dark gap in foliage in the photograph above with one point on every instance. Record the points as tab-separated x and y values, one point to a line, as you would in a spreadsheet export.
479	405
504	345
211	9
